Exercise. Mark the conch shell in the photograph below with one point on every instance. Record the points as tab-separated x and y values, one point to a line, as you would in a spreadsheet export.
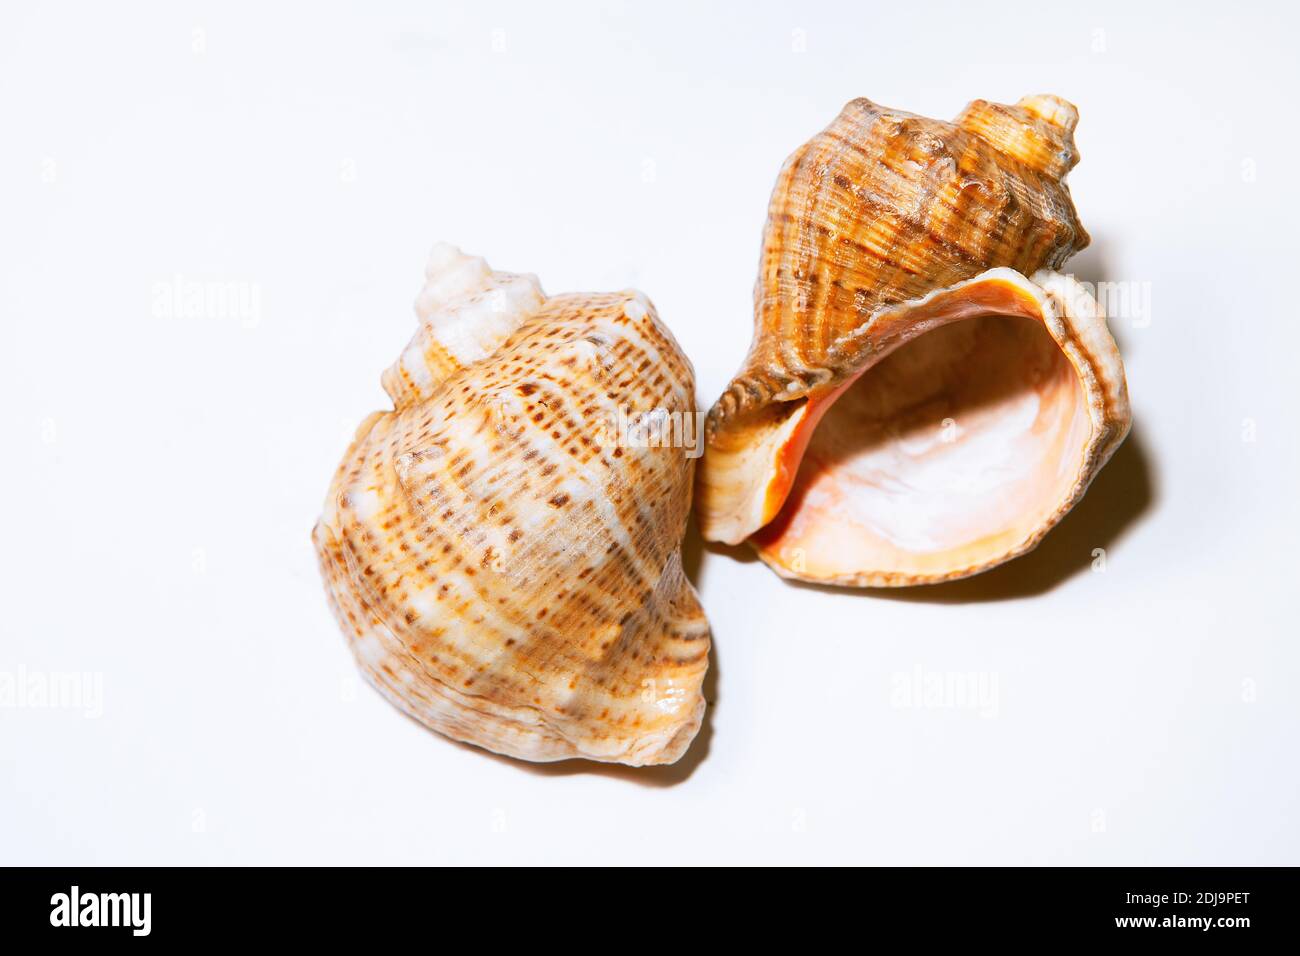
925	396
503	572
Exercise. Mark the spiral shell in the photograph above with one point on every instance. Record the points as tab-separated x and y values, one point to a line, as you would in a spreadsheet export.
503	572
881	230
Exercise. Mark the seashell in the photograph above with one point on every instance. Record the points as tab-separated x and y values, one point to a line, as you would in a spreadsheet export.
504	573
915	407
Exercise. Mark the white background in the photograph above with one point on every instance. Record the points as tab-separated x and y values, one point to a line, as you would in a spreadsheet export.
162	474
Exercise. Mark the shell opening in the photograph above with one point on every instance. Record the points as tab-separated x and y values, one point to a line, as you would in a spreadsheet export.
956	450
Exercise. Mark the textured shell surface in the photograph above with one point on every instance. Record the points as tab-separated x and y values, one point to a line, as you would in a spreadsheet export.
864	441
505	571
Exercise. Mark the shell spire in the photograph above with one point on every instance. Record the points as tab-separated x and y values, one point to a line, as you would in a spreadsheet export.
466	312
1038	131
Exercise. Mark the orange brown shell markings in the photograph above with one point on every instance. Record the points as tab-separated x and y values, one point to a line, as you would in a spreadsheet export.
924	396
505	573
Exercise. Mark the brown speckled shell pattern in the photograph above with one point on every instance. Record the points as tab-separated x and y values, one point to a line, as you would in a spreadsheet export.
883	207
503	573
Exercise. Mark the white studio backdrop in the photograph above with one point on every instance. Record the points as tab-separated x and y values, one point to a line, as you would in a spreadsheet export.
165	465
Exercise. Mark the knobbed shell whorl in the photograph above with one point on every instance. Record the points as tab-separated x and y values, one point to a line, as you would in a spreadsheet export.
505	573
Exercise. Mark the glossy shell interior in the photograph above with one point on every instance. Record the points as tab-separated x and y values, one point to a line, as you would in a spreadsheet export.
956	451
